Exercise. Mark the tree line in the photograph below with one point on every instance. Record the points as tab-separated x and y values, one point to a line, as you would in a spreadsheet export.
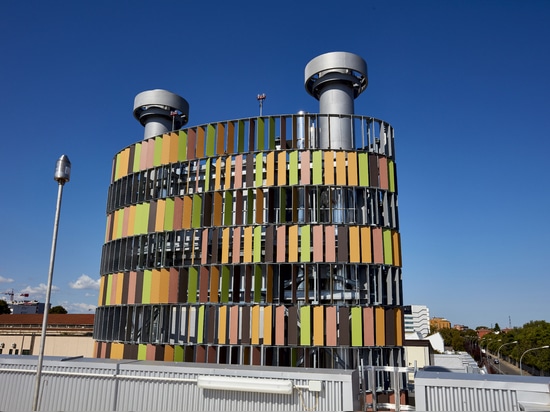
533	334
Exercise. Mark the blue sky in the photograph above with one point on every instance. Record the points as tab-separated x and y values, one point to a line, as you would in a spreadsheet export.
465	84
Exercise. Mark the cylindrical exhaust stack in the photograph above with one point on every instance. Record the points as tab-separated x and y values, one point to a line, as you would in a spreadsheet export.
336	79
160	111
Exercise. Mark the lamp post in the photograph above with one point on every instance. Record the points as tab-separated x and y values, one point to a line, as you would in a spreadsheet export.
498	353
529	350
62	175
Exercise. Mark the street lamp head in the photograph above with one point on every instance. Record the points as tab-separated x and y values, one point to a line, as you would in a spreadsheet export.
62	170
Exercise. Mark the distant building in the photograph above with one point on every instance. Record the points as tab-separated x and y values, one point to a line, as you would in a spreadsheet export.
67	334
439	323
460	327
417	319
482	332
27	307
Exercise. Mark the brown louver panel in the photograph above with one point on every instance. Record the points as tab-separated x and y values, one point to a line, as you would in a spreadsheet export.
203	284
130	351
211	324
239	208
292	329
343	326
214	245
152	216
373	170
269	234
125	284
139	286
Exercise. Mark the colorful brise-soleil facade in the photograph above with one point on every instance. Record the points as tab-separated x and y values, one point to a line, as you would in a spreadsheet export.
240	242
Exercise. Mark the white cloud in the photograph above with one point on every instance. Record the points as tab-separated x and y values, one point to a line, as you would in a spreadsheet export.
85	282
79	307
38	290
5	280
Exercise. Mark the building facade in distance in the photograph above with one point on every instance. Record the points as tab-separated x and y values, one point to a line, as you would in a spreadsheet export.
417	319
439	323
270	240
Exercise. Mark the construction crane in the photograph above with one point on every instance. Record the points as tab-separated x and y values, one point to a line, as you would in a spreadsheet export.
11	294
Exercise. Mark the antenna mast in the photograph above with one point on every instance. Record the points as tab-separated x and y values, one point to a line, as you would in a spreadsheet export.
261	98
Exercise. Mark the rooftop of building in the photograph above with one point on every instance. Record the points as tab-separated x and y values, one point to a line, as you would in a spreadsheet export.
54	320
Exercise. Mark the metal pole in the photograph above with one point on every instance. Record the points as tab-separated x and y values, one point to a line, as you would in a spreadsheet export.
498	354
62	175
529	350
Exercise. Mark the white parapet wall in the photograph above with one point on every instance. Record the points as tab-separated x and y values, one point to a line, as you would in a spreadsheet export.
86	384
450	391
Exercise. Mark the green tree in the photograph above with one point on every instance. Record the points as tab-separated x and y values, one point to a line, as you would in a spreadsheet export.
496	328
59	310
4	308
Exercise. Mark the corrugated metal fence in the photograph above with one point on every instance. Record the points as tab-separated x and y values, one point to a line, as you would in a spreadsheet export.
448	391
111	385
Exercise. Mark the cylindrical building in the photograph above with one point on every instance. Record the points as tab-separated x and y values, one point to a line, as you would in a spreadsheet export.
249	242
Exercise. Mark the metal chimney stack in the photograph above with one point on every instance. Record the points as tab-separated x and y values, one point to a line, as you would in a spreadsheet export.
336	79
160	111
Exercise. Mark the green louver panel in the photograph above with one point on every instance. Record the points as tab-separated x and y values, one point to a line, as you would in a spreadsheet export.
197	209
293	168
261	134
391	175
142	352
228	209
240	137
178	353
137	157
363	169
200	325
387	247
182	147
305	325
210	140
271	133
109	286
304	244
157	159
356	327
257	244
207	174
142	219
146	293
192	285
259	170
169	214
257	283
317	167
224	298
